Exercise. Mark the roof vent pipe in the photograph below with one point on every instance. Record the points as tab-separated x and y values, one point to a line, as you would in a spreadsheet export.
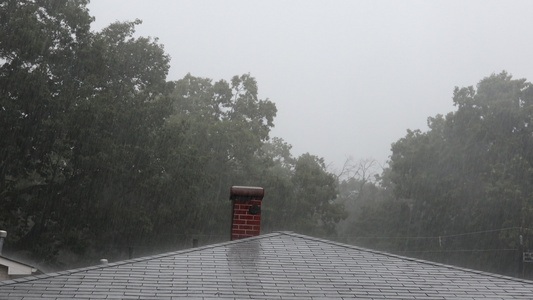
103	261
3	235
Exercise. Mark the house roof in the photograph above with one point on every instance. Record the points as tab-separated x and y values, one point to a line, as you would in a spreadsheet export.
16	267
280	265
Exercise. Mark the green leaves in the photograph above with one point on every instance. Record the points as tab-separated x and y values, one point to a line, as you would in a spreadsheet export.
301	192
101	156
472	170
78	112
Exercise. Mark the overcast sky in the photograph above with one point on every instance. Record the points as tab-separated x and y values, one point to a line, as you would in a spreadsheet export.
348	77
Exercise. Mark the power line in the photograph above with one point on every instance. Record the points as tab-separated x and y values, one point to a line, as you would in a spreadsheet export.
459	250
434	237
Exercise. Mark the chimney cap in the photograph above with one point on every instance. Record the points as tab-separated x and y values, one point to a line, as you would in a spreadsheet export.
247	193
3	233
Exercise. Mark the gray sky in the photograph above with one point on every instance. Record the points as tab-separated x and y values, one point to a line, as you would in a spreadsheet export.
348	77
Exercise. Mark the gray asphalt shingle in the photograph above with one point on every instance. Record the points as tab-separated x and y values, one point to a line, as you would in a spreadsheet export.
280	265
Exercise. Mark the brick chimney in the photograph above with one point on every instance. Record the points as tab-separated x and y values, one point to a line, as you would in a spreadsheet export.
246	211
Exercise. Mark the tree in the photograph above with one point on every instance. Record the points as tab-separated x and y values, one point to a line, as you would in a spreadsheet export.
101	156
78	109
39	76
209	143
112	133
471	171
362	197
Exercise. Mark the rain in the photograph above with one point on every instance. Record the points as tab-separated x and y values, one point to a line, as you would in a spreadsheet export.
402	127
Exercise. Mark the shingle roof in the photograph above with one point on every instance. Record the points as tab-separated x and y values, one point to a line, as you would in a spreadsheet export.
280	265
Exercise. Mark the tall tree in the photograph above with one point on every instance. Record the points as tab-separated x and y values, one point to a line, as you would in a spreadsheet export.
216	130
301	192
471	172
100	155
77	109
39	81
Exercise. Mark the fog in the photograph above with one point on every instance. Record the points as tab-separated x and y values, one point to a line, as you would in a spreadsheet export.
348	77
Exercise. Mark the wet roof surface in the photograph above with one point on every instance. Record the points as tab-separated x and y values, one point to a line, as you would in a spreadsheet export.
280	265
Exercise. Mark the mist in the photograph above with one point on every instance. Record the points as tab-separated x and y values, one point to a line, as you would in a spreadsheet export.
398	126
348	77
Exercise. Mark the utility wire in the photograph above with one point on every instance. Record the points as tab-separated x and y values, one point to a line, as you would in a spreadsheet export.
463	250
435	237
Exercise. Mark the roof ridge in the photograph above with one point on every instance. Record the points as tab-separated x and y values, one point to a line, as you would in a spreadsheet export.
133	260
427	262
17	261
263	236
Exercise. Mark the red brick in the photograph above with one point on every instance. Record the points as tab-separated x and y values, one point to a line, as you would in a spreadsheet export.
245	224
246	227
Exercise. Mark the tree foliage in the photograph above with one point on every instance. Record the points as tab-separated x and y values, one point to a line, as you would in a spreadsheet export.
470	172
101	156
303	192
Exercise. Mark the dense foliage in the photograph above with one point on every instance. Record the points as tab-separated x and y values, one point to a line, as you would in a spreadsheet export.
100	156
462	192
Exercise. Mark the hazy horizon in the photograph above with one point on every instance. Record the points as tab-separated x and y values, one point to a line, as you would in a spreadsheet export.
348	77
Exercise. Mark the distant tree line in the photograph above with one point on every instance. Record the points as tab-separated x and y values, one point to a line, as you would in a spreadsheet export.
461	192
101	156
